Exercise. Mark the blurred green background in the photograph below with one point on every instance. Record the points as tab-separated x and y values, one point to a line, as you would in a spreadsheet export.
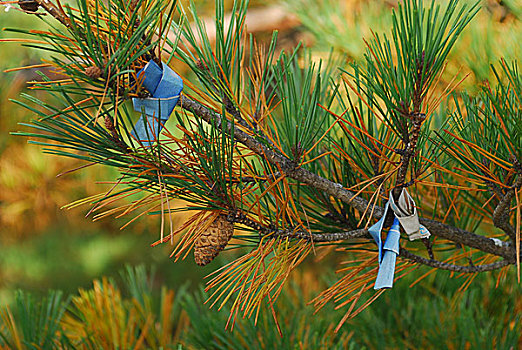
43	247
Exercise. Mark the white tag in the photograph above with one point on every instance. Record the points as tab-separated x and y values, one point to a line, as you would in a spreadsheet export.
406	211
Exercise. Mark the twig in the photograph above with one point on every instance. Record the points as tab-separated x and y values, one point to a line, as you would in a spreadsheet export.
456	268
325	237
411	141
239	217
362	233
458	235
501	213
55	11
416	118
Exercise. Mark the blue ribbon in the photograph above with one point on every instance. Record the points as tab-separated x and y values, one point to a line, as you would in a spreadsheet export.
376	229
387	252
389	257
165	86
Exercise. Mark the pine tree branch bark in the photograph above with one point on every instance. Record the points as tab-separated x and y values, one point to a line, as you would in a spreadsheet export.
288	167
451	267
336	190
501	213
363	233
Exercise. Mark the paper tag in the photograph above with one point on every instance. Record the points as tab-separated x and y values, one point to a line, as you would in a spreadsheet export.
406	211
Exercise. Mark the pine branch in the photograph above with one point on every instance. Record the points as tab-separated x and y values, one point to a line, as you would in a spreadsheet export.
288	167
55	11
416	118
239	217
451	267
324	237
457	235
336	190
501	215
284	114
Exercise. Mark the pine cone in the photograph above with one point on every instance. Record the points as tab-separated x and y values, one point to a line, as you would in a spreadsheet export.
213	240
93	72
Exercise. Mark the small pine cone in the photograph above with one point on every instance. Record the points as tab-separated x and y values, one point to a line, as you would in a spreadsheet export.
213	240
94	72
28	5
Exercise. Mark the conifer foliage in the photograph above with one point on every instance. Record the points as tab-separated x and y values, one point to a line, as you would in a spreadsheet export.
284	155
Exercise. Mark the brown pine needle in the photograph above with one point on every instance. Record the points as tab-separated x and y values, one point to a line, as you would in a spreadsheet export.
368	303
498	161
321	138
52	82
517	237
316	158
34	66
77	168
23	41
347	314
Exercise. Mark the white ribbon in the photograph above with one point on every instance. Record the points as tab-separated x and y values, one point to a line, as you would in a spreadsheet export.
406	211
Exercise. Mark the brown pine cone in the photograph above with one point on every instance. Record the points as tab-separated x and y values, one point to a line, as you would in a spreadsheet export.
213	240
93	72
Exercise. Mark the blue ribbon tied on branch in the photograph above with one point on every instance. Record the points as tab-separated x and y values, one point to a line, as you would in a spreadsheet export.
165	87
405	216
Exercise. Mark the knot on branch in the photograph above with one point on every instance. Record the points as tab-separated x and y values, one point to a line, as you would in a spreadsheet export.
417	119
28	5
517	165
237	216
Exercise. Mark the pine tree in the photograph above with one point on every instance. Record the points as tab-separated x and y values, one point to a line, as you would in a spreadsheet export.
282	155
